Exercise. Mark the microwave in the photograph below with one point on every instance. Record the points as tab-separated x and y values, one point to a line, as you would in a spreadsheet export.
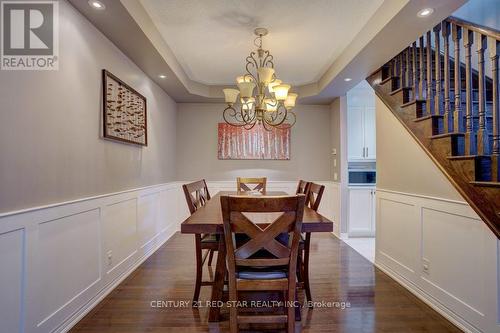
362	177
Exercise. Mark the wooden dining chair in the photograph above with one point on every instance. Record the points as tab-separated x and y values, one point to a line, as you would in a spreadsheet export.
302	187
259	184
314	193
249	269
197	196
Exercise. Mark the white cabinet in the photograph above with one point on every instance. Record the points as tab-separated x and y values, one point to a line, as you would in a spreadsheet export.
361	135
370	137
361	212
355	129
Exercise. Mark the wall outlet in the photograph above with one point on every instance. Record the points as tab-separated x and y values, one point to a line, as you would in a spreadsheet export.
426	266
335	176
110	257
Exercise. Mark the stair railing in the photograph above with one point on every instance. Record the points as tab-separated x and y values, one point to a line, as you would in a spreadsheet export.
426	67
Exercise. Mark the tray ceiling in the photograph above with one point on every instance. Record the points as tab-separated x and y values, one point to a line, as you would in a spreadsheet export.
303	38
211	38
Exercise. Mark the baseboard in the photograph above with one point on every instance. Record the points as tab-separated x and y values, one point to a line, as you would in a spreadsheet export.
335	236
82	312
344	235
428	299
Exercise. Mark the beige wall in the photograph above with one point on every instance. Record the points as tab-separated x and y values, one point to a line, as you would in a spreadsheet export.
50	143
402	165
197	147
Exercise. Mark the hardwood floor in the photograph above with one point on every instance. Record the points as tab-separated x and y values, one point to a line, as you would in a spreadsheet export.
339	274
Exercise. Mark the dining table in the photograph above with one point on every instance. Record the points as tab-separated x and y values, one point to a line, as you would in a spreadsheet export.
208	220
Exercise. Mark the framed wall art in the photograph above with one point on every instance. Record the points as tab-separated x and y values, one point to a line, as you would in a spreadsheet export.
124	114
238	143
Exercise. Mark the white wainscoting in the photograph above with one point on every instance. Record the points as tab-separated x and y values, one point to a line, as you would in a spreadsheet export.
58	261
442	252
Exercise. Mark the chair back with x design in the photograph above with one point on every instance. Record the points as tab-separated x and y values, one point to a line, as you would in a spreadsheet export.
262	237
302	187
314	195
196	194
259	184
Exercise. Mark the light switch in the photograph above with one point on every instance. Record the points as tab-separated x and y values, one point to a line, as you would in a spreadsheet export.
335	176
334	151
110	257
425	266
334	162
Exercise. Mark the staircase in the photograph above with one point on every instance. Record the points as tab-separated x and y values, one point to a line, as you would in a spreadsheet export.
451	107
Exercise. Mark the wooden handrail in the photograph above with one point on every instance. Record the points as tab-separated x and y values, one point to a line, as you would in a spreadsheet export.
487	31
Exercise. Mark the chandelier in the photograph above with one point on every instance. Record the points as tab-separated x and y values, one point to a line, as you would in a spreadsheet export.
263	98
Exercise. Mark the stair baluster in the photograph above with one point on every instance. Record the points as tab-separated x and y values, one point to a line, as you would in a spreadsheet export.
483	138
458	115
402	76
437	71
494	48
421	75
396	68
428	83
414	70
407	68
470	144
400	69
448	116
396	73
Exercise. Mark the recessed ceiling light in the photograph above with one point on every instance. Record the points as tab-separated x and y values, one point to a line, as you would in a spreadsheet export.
347	79
425	12
162	76
96	5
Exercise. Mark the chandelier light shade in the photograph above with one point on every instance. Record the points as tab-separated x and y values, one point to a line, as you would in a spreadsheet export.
263	98
246	89
290	101
244	78
281	91
231	95
265	74
273	84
